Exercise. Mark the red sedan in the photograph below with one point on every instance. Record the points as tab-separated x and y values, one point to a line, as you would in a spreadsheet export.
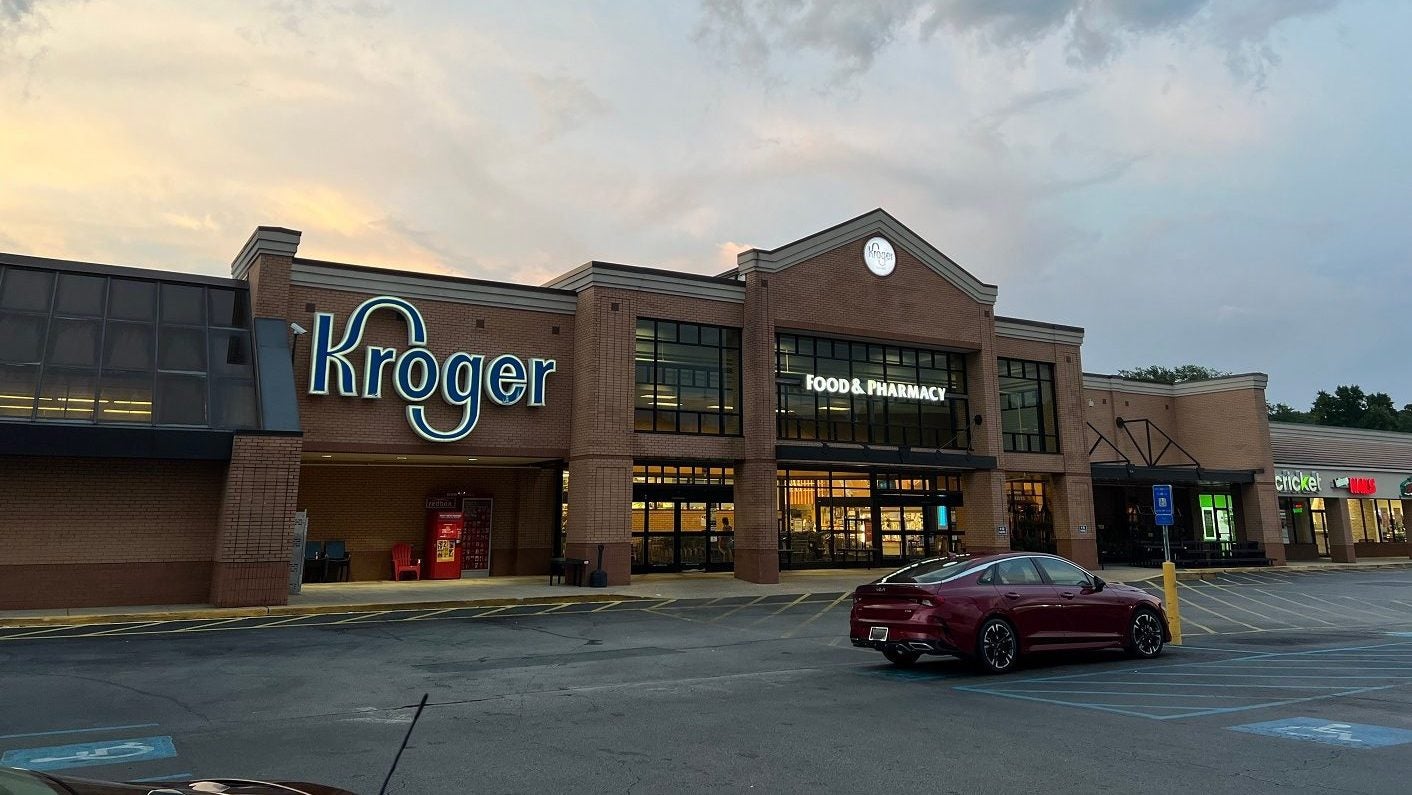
994	608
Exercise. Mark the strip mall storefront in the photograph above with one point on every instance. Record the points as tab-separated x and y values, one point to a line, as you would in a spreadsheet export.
1344	493
848	399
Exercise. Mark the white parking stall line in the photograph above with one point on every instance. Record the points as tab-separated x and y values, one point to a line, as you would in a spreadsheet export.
1368	605
816	616
1305	605
209	624
122	629
1240	591
1188	602
1213	597
783	608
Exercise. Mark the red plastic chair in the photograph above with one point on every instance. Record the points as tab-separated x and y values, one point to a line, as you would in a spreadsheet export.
402	562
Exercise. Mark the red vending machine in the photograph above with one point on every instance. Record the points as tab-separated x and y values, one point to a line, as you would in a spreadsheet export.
443	549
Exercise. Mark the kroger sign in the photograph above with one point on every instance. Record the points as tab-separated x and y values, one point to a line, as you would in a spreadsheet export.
415	373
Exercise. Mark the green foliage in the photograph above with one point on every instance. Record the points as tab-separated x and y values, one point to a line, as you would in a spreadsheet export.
1181	374
1348	406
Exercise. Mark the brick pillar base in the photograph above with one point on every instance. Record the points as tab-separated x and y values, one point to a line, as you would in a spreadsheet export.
1340	528
757	557
984	511
617	560
1071	505
255	536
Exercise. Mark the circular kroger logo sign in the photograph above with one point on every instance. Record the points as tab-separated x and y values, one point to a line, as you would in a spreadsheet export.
878	256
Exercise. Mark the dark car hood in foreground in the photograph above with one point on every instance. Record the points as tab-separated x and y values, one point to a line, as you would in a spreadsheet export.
229	786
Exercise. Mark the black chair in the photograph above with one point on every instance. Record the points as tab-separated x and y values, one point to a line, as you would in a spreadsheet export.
336	561
313	561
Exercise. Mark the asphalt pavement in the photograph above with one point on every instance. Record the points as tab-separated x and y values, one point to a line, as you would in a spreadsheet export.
1288	682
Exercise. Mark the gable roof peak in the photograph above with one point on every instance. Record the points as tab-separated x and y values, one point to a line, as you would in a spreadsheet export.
874	222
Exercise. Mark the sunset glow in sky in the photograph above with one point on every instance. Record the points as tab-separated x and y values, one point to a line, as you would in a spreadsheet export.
1224	183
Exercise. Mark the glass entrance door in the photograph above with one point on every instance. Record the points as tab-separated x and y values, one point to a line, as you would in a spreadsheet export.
904	532
675	535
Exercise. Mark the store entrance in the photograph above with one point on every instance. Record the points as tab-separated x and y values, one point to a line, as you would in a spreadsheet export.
681	535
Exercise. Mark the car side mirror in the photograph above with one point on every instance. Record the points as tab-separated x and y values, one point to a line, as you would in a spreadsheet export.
1098	584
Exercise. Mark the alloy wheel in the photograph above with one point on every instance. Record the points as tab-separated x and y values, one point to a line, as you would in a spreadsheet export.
998	645
1147	634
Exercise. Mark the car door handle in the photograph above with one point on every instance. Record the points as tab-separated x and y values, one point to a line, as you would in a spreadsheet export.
1067	594
1013	595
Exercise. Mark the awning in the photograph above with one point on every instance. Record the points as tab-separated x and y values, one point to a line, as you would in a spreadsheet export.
1142	474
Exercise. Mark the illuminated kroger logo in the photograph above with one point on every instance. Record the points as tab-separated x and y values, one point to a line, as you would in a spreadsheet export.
505	379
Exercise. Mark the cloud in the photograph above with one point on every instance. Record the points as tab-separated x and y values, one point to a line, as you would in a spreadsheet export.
856	32
564	102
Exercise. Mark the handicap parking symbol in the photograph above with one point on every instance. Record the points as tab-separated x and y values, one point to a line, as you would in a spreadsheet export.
1319	730
107	752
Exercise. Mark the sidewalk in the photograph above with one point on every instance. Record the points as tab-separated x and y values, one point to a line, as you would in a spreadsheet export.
496	591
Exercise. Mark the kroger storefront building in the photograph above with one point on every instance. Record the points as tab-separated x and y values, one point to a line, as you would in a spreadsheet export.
848	399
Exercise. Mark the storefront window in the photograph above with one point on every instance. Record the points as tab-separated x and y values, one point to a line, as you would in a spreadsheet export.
84	347
1217	517
856	518
1031	523
1377	521
672	474
1027	418
869	419
687	378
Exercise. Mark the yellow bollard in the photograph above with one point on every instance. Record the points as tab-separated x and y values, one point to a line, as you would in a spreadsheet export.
1174	610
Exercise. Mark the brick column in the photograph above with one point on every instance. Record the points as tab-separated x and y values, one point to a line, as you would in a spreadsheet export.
600	453
1407	519
984	511
256	525
1071	505
600	512
1340	530
756	496
1260	518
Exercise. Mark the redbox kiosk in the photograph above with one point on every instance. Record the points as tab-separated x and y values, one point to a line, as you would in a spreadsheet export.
443	549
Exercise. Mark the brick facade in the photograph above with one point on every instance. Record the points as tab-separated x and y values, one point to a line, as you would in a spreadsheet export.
176	531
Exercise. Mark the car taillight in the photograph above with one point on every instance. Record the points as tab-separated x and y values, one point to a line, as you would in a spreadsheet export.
928	601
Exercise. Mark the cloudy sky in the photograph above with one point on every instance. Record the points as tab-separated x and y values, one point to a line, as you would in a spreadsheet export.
1227	183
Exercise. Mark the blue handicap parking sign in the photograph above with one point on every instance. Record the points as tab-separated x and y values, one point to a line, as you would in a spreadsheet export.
1320	730
1162	508
104	752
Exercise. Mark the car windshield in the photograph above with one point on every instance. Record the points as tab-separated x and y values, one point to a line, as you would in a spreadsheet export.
19	782
929	571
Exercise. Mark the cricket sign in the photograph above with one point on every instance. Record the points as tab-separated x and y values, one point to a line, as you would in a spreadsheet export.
415	373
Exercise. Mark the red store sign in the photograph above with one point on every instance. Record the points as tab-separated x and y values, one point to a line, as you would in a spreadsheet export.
1362	486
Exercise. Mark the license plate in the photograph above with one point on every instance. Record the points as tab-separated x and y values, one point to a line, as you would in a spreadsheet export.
877	633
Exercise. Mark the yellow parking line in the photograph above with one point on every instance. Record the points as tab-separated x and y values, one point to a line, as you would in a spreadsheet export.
40	631
280	622
119	630
358	617
816	616
737	609
209	624
781	610
595	610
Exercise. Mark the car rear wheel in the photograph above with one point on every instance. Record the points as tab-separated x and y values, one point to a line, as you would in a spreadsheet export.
997	648
902	658
1145	634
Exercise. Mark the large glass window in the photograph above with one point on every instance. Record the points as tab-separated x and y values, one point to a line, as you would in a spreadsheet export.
1027	420
687	378
87	347
1374	521
847	518
1217	517
802	413
1031	522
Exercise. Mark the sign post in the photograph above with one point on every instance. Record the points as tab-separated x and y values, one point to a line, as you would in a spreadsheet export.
1164	514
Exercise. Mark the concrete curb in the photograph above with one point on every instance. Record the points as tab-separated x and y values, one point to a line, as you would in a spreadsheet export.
205	613
1187	575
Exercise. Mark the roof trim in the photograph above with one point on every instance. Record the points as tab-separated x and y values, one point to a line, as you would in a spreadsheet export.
1333	432
273	240
652	280
121	271
1038	331
1230	383
382	281
877	221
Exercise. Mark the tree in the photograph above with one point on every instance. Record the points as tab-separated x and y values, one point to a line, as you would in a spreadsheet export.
1283	412
1344	408
1181	374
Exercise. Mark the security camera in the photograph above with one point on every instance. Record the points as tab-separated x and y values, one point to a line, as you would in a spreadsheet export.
298	329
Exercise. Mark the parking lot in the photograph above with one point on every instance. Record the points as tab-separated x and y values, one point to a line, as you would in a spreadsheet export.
1290	682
